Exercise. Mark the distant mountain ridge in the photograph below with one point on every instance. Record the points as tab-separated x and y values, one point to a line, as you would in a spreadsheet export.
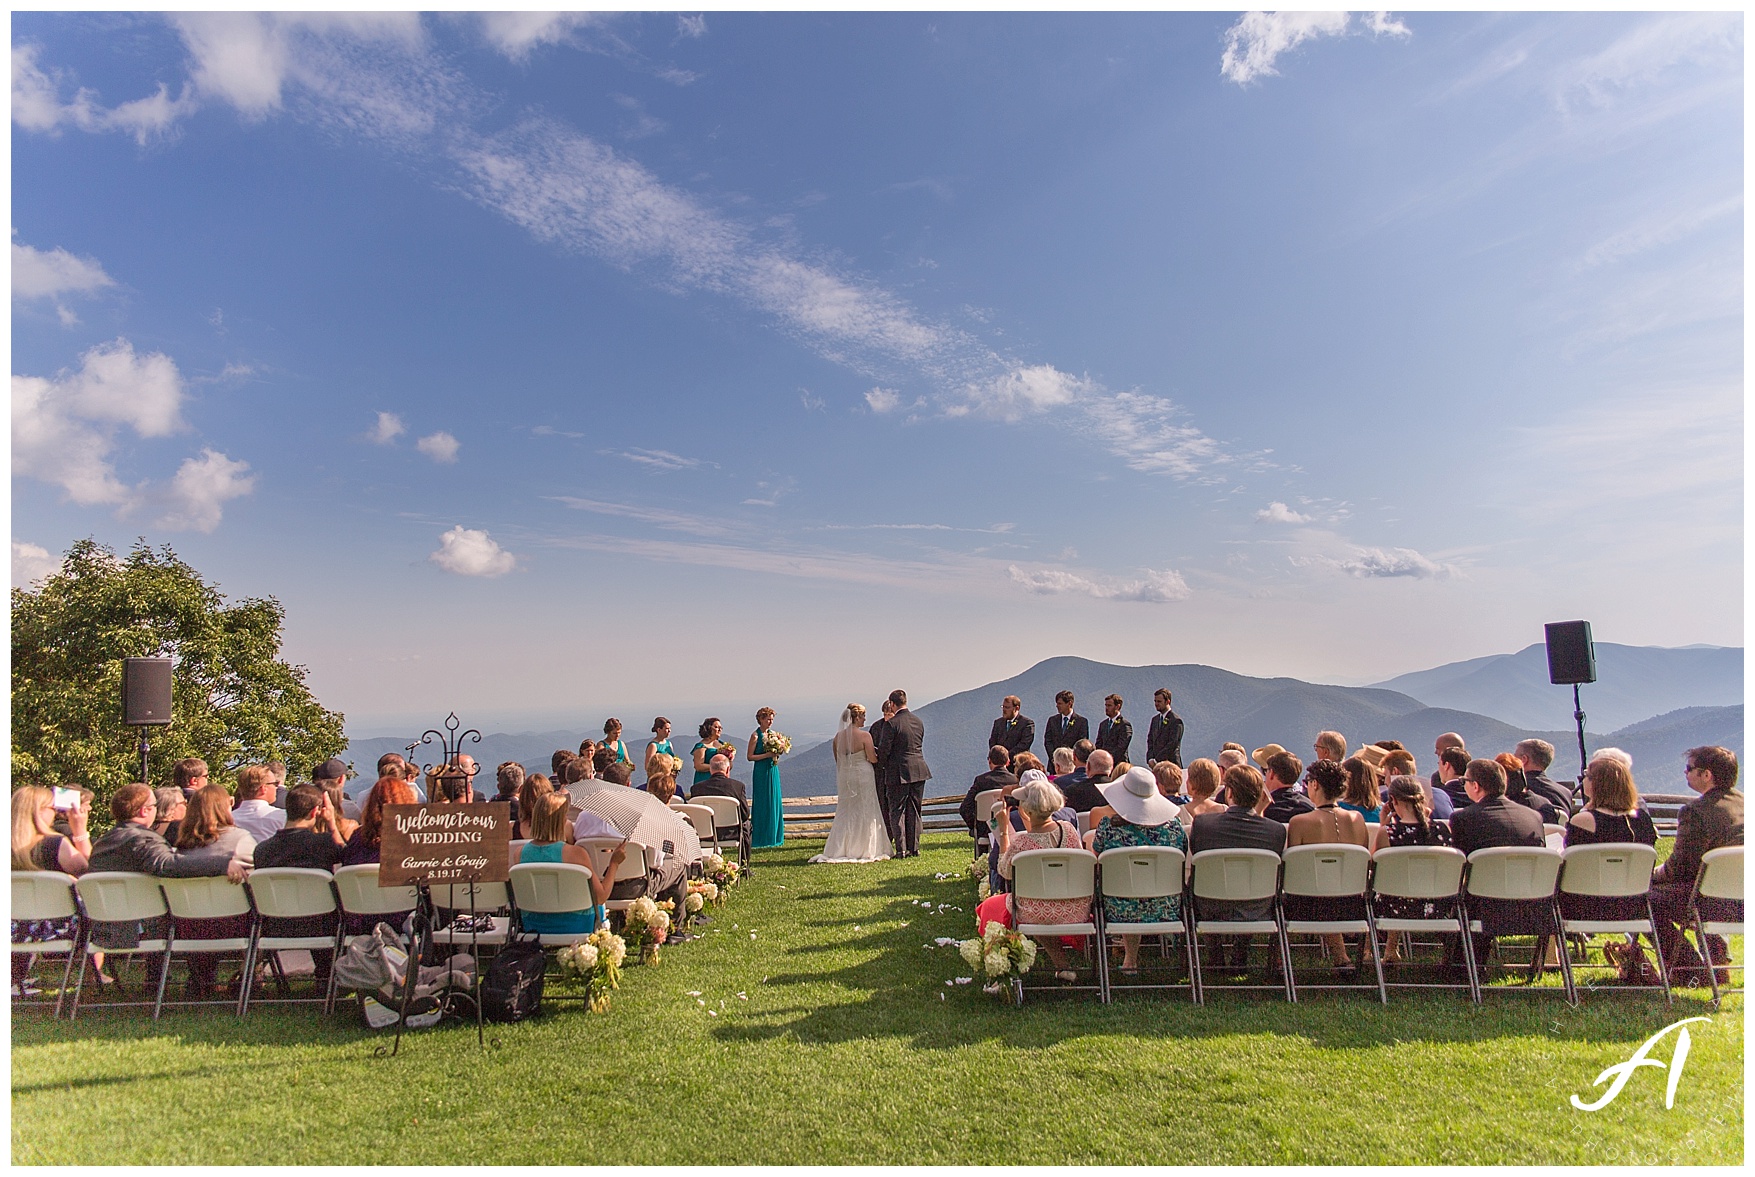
1634	683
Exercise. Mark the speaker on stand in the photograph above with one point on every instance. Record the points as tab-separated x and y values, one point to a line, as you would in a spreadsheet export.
1572	659
146	699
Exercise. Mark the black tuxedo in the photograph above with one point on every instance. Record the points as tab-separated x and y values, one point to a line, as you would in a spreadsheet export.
1014	735
1063	731
1164	739
993	778
906	774
724	786
881	767
1286	803
1115	736
1497	821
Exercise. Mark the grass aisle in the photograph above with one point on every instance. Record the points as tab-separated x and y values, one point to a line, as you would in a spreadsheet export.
850	1048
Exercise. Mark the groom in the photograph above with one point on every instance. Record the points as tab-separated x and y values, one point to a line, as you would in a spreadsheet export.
903	784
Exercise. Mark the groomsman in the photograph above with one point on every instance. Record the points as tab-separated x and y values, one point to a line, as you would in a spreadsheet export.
1011	730
1065	729
1164	733
1115	734
907	774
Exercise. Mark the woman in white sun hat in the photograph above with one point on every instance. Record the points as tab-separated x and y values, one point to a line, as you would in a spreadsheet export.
1143	817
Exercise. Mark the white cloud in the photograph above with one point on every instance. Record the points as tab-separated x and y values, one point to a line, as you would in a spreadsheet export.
883	400
1151	434
37	105
388	428
1280	513
658	516
516	34
691	26
1651	50
198	493
31	563
1258	39
467	552
1649	232
50	274
1367	563
440	447
1025	389
1156	587
662	459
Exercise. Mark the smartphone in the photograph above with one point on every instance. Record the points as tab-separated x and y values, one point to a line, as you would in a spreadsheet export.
66	799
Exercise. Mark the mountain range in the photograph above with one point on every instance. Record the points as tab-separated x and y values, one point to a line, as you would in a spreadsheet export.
1693	698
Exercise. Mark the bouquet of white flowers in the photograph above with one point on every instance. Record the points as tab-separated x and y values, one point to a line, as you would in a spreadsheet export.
647	924
1000	953
776	744
716	869
597	961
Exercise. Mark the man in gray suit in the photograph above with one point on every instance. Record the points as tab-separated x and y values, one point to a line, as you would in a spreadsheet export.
903	785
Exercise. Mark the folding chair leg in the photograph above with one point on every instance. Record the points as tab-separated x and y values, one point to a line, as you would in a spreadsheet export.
1700	943
1194	977
1102	941
79	984
247	979
1376	962
164	976
1468	953
1286	966
67	975
1566	977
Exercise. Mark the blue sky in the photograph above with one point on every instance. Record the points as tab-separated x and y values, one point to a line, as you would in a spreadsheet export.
543	365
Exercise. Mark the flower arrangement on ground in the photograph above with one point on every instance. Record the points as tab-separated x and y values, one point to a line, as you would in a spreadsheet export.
776	744
978	869
707	891
719	871
1001	954
597	961
647	925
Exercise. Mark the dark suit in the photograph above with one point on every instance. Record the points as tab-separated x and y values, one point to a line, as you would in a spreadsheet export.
880	768
1555	794
993	778
1286	803
1014	735
1063	731
906	774
1082	795
1711	820
1234	829
1499	821
718	785
1164	739
1115	736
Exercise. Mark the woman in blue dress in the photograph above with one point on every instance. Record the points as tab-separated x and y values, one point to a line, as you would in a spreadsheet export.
709	746
548	844
767	819
612	739
659	745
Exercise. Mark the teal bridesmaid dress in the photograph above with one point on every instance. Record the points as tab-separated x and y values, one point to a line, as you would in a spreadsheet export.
767	819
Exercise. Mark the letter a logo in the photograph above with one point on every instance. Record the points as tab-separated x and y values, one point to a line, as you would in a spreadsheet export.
1621	1072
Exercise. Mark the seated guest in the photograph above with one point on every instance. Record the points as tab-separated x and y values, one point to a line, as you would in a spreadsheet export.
1202	782
1408	821
1037	803
997	776
509	778
1534	757
172	808
255	813
344	812
131	844
368	839
559	757
1064	764
661	783
1025	762
1711	820
1518	791
335	770
1284	799
617	772
1328	823
1624	757
1492	819
1139	815
1331	746
188	775
277	770
720	784
208	835
1363	789
535	786
1169	776
311	839
549	845
449	786
1081	792
1239	826
609	801
1231	757
1612	812
1452	764
35	847
1029	769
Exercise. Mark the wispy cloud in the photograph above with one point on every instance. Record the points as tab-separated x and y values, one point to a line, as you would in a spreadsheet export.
661	459
657	516
777	489
195	498
1154	587
694	26
1367	563
465	551
1259	39
53	273
517	34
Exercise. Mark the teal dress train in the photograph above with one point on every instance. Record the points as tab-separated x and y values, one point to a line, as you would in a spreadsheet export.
767	819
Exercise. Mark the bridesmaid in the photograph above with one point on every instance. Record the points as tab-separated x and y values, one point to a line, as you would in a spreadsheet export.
612	739
708	747
767	819
660	744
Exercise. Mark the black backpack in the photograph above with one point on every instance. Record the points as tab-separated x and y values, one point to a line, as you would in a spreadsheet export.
512	989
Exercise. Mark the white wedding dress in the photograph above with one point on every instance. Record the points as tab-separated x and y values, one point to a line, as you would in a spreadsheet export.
858	833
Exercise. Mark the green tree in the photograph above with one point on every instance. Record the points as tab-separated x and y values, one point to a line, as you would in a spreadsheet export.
235	701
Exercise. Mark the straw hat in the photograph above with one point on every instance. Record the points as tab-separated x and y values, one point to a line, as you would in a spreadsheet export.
1373	755
1261	754
1136	798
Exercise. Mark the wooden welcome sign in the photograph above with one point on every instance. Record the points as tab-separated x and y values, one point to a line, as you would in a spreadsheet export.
446	844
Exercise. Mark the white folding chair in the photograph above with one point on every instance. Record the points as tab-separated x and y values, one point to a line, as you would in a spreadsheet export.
1528	874
121	897
553	888
640	861
1146	872
1427	874
1553	836
727	823
1338	871
204	899
1721	880
358	890
1371	828
1608	870
985	800
46	895
676	802
1084	823
480	899
517	849
294	892
702	818
1061	875
1238	875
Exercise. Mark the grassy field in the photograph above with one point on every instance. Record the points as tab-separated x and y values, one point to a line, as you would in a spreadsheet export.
829	1035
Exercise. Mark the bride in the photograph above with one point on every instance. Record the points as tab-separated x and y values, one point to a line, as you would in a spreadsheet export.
858	833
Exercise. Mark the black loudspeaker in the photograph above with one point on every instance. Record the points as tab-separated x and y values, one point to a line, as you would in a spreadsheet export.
1571	657
146	692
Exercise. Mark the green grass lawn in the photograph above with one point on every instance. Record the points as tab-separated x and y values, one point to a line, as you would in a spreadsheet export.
850	1048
